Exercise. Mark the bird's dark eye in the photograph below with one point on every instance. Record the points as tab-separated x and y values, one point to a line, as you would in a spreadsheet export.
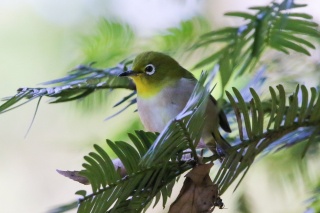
150	69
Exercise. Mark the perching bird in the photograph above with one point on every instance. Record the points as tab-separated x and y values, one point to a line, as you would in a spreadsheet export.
163	89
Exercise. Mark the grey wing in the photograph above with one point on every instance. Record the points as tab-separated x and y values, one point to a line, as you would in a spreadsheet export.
223	121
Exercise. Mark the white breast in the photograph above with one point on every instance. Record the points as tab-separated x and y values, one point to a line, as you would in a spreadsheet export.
157	111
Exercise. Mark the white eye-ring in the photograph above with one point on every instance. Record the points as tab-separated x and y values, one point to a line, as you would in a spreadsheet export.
150	69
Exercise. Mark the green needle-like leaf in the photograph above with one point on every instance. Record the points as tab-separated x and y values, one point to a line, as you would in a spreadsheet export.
241	15
245	113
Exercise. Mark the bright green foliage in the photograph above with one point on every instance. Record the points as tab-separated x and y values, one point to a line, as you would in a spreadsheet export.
86	80
315	200
266	130
154	161
152	165
175	40
115	37
271	26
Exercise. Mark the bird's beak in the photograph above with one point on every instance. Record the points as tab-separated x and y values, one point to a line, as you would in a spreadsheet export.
130	73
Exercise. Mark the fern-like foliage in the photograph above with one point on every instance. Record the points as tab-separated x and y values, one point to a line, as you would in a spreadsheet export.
272	26
178	39
154	162
118	38
142	182
152	165
261	130
79	83
84	80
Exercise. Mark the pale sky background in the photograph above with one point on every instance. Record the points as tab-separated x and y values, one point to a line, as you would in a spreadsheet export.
39	41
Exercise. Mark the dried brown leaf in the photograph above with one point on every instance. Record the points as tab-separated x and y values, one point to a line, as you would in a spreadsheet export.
198	193
74	175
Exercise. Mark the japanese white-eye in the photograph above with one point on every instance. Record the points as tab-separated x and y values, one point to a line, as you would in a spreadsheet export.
163	89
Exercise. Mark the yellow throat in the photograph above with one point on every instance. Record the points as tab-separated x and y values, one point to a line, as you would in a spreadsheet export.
148	89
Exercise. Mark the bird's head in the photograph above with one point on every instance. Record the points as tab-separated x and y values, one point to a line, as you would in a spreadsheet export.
153	71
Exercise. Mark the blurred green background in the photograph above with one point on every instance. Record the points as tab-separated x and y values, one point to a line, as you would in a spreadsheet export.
41	40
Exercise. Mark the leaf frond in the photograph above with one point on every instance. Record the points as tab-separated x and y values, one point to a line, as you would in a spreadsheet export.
263	130
79	83
271	26
152	164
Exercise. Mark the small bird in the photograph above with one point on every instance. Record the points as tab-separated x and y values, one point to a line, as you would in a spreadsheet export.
163	89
